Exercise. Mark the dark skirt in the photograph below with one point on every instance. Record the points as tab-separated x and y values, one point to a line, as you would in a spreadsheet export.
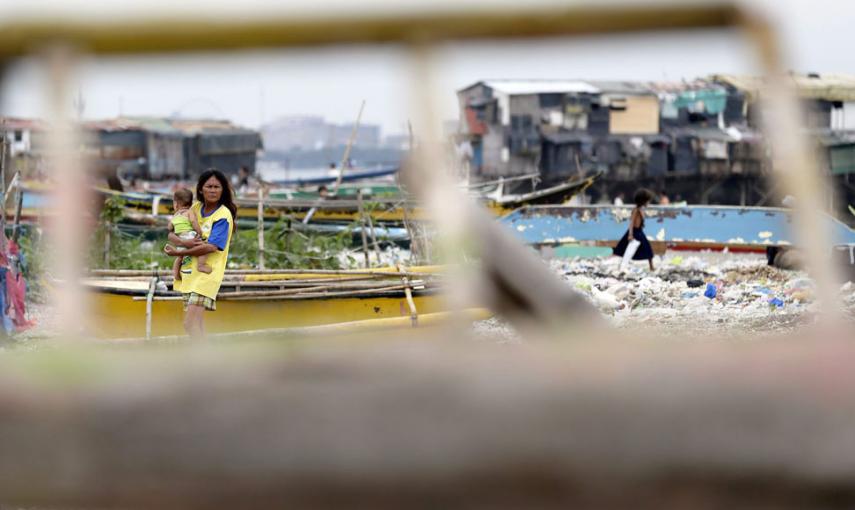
645	251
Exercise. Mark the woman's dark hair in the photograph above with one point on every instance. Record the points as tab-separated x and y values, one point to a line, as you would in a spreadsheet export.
226	199
643	197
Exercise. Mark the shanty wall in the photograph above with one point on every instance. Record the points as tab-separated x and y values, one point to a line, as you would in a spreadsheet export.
641	116
226	152
165	155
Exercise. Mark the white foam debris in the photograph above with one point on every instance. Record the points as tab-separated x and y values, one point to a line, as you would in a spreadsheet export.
764	234
660	236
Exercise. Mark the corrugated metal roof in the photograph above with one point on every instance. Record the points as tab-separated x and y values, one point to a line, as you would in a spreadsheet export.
152	124
622	87
17	123
521	87
830	87
167	125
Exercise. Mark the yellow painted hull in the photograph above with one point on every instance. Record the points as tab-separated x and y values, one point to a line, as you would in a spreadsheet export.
120	316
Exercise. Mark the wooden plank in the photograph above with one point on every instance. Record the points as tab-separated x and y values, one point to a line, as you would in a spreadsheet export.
454	423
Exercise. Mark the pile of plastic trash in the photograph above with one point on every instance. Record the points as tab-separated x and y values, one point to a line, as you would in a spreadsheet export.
710	292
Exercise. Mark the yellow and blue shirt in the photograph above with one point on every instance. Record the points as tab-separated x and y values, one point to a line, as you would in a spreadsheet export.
217	230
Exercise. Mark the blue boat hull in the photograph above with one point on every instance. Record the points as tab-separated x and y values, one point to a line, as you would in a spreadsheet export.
688	227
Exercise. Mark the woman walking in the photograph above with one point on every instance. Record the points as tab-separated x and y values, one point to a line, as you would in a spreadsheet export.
216	211
634	244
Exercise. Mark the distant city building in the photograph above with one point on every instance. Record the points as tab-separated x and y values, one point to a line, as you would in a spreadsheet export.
399	142
313	132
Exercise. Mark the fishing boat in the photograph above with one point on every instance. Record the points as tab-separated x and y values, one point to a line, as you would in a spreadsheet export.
694	227
369	191
346	210
135	304
347	176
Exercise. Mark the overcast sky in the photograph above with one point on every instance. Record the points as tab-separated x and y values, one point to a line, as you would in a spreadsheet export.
254	87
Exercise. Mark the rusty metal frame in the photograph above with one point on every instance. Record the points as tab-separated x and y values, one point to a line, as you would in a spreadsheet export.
160	34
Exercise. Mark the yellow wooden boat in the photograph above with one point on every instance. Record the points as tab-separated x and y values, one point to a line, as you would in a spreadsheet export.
132	304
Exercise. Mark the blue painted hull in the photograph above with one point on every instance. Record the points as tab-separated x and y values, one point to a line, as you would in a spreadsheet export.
679	227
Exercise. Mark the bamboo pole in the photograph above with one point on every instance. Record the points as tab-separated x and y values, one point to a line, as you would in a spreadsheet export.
261	227
237	273
302	294
373	236
415	251
346	156
344	159
295	283
326	294
304	283
362	230
408	292
151	286
310	290
414	242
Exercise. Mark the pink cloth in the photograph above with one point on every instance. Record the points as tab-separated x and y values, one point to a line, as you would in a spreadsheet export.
16	293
